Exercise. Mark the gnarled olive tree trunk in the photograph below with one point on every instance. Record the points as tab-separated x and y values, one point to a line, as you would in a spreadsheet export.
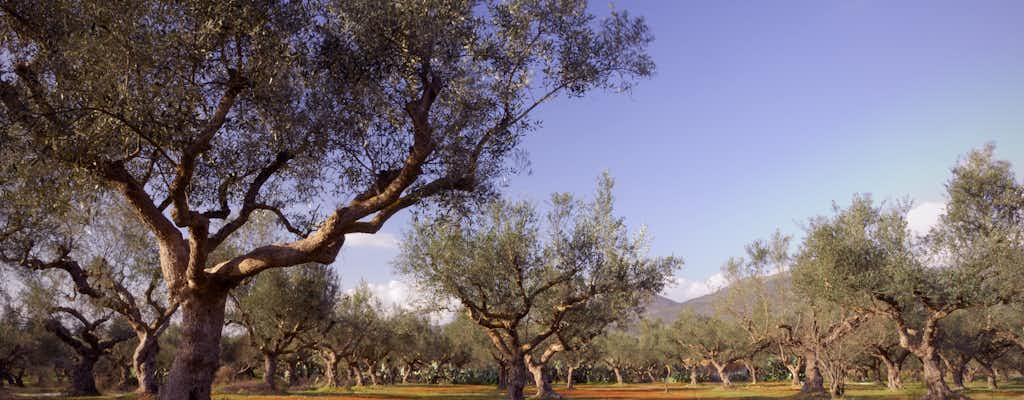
542	381
83	380
191	374
814	383
144	362
516	373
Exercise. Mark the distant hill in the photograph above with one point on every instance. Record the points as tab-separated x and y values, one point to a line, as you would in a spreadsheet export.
667	309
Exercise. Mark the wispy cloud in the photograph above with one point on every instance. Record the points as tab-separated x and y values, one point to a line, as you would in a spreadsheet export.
377	240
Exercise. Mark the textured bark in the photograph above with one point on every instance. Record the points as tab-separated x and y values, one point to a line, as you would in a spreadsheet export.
144	362
191	374
270	370
932	376
542	382
83	381
331	369
814	383
516	375
502	375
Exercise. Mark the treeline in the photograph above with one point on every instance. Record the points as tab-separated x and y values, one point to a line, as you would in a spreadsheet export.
560	296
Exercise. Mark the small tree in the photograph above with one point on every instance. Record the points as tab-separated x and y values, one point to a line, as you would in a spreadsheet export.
537	297
717	341
279	308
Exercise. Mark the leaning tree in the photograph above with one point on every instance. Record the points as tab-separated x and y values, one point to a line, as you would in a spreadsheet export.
537	289
199	113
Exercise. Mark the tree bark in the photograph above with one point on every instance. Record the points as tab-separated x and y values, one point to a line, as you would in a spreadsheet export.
752	371
270	370
144	362
543	384
814	383
330	369
932	376
693	376
502	375
358	374
794	374
569	379
83	381
618	375
191	374
722	375
516	377
893	379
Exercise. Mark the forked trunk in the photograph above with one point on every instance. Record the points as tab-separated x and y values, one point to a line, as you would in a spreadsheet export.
794	374
722	375
270	370
752	371
191	374
331	369
543	384
144	362
83	381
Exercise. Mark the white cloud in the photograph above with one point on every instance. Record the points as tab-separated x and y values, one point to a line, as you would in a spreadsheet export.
681	289
377	240
399	294
924	216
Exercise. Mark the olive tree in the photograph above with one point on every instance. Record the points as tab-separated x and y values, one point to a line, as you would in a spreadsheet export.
537	289
279	308
199	113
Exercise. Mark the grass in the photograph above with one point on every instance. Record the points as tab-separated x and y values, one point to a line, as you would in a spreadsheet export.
593	392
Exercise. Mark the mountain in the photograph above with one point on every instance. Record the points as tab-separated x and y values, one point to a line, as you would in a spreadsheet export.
667	309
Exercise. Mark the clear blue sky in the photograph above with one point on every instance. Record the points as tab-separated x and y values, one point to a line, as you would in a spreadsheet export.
762	113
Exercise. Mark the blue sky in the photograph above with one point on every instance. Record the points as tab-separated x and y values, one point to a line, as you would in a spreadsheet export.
761	114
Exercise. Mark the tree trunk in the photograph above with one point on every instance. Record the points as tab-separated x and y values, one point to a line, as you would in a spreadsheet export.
568	378
722	375
270	370
502	375
893	380
956	371
405	374
516	377
198	355
331	369
83	381
358	374
293	373
813	381
372	373
543	384
932	376
618	375
794	374
693	375
752	371
668	375
144	362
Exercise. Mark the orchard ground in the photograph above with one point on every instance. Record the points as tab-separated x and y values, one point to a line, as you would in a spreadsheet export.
1008	390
